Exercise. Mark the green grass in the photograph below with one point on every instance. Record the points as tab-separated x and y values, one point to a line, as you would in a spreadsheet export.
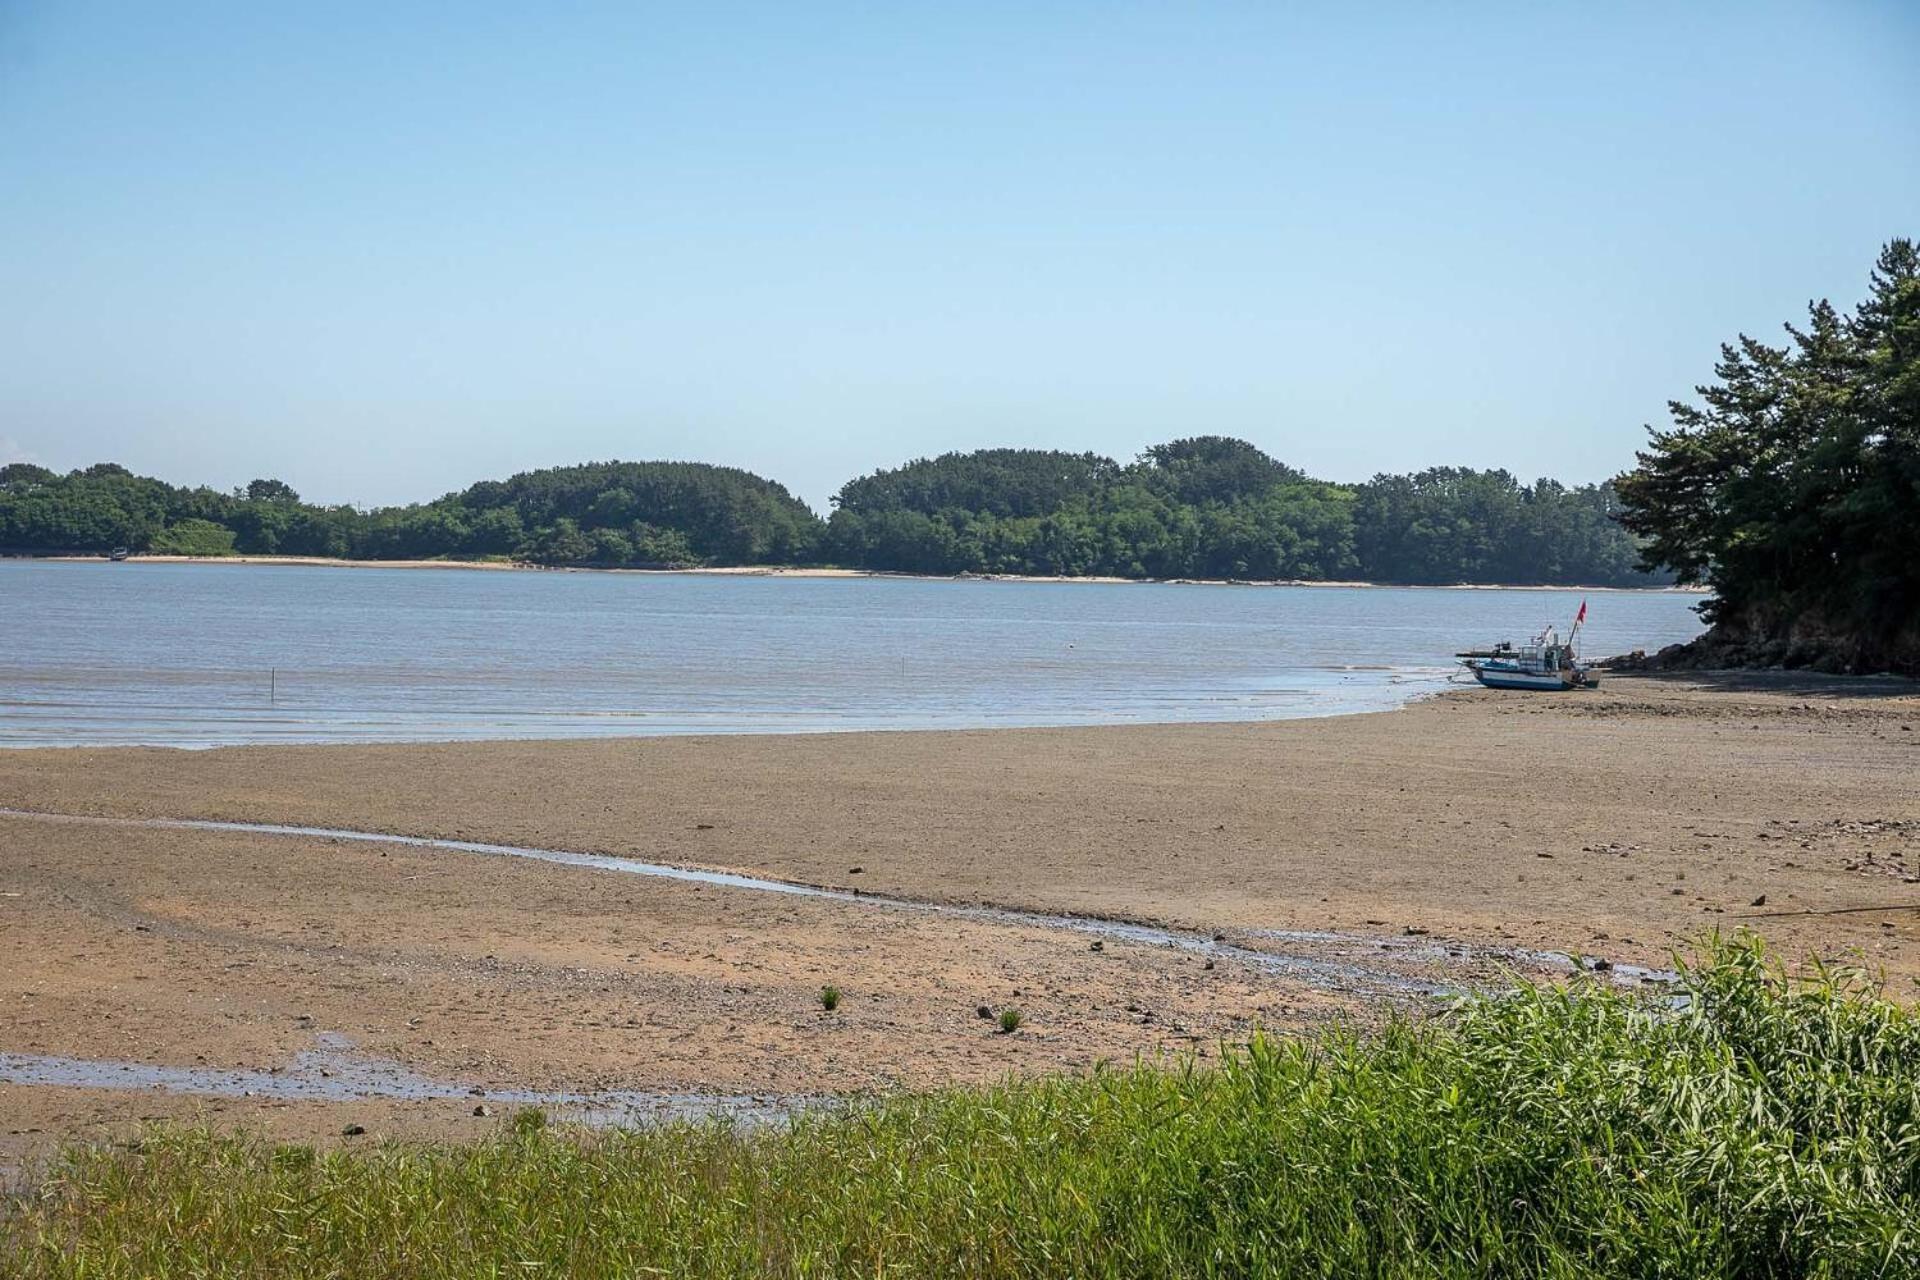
1010	1021
1770	1129
829	998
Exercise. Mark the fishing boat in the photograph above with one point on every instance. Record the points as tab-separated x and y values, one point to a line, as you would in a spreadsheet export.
1545	662
118	554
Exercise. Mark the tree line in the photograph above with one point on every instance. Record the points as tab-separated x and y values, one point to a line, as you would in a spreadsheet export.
649	514
1213	507
1792	488
1205	507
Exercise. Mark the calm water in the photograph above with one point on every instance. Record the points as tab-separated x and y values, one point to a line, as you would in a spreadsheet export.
205	655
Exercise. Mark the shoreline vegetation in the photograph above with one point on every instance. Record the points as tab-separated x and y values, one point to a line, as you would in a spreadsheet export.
1764	1128
832	571
1204	508
1792	490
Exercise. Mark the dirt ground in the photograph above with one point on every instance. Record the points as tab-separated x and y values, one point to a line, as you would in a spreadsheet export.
1622	823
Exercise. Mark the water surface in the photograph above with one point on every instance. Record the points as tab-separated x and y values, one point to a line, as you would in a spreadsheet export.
209	655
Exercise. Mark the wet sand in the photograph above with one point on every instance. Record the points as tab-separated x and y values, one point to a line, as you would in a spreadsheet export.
1619	823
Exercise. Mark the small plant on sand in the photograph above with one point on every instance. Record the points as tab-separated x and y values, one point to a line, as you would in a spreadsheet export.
1009	1021
829	998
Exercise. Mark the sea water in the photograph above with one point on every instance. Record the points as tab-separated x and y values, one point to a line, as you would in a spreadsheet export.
200	655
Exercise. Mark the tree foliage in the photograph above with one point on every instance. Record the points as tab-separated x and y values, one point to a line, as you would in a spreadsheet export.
1213	507
661	514
1793	487
1205	507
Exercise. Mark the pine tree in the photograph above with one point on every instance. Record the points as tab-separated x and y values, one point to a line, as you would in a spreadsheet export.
1793	489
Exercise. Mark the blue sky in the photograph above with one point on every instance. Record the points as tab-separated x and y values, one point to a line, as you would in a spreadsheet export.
384	250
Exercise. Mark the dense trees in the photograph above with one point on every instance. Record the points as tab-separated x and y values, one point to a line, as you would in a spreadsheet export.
1217	508
1206	507
662	514
1793	488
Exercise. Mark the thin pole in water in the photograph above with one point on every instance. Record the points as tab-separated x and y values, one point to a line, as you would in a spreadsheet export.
273	686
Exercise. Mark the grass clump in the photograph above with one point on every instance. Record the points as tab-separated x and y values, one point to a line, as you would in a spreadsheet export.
1770	1128
1010	1021
829	998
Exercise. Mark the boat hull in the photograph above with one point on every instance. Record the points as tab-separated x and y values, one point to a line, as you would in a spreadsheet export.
1519	679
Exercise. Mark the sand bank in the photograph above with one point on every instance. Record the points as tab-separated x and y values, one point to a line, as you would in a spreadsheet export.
785	571
1619	824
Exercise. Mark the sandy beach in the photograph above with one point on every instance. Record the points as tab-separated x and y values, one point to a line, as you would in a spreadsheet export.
820	571
1618	824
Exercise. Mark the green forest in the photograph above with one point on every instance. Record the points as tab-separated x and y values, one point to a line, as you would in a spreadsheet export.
646	514
1207	507
1792	488
1212	507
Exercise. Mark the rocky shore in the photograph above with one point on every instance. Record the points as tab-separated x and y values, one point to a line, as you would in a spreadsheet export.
1795	645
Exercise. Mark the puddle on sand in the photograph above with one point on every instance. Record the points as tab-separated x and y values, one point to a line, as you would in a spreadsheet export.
1346	964
332	1071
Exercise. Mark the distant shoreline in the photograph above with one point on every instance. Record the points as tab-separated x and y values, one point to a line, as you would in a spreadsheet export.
788	571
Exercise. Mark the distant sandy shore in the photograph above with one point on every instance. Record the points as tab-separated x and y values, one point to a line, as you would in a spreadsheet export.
1621	823
782	571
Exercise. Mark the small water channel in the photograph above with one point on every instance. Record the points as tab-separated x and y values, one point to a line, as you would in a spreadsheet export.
1394	968
333	1071
1345	963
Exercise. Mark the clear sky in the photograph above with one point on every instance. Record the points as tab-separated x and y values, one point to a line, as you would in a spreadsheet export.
383	250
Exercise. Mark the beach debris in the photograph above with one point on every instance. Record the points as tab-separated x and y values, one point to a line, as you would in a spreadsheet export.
353	1131
1416	931
483	1110
703	826
854	871
982	1011
1760	901
1209	963
1096	945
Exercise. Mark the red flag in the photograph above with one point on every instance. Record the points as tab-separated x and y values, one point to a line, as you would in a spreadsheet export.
1581	616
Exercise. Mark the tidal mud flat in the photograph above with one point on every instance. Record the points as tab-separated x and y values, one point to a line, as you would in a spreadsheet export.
1129	890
